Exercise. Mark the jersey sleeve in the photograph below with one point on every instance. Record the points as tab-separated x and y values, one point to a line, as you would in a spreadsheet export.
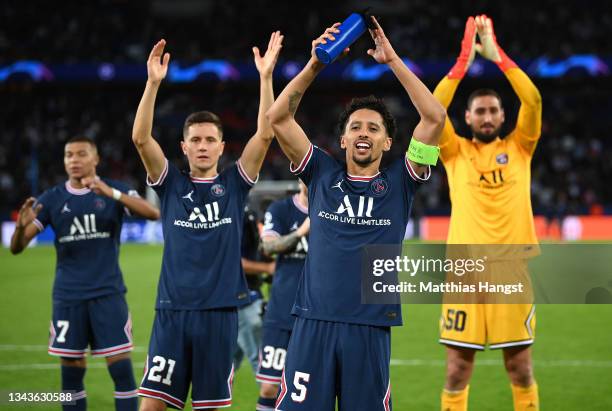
239	180
246	181
449	140
275	221
529	121
44	216
170	174
410	180
315	162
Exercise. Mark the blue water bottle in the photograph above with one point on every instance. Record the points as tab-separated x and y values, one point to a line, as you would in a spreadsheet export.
350	30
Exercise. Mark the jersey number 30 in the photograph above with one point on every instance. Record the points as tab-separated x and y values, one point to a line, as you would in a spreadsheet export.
273	358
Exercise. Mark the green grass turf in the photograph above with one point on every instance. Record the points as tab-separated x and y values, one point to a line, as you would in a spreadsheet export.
564	333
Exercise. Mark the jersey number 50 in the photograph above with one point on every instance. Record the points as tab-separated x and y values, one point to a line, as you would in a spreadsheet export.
455	320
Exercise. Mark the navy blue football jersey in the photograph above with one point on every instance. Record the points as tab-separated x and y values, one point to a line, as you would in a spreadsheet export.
202	221
348	213
250	251
283	217
87	230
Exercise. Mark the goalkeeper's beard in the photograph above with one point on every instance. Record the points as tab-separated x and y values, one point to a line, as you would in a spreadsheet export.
486	137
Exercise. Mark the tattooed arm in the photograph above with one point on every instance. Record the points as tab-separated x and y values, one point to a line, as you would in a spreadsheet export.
279	245
292	139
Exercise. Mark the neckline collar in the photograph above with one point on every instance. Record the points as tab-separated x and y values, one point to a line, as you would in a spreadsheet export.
351	177
76	191
203	179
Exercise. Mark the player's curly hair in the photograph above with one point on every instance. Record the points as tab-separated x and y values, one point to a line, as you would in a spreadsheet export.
372	103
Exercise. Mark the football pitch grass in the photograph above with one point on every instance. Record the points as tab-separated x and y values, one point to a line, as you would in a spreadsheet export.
572	354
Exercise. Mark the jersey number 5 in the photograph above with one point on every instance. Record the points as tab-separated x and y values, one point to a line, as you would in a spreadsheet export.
300	395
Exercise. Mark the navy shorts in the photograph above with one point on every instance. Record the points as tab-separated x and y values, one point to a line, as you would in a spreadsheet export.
102	323
272	354
191	347
329	360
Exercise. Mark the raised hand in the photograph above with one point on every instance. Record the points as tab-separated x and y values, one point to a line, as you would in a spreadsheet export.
488	47
28	212
328	34
265	65
383	53
98	186
157	66
468	51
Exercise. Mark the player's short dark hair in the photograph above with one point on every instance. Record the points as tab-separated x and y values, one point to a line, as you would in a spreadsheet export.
83	139
481	92
372	103
202	117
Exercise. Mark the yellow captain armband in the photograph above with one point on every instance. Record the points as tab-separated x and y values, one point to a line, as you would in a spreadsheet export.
422	153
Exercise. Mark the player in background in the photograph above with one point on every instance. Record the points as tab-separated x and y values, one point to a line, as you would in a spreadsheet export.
202	282
249	316
489	183
339	347
89	307
285	235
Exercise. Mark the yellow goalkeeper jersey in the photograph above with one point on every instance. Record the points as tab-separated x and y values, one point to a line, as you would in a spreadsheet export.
490	183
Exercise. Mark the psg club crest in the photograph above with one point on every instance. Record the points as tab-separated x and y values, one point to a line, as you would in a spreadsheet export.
99	204
502	158
218	190
379	187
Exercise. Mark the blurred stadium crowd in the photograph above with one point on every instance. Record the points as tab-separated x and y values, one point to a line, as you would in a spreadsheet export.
122	30
573	163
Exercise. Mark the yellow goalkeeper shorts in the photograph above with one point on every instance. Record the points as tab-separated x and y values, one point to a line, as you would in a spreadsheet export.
496	325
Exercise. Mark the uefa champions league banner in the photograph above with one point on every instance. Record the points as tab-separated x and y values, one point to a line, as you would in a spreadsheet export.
355	70
133	231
